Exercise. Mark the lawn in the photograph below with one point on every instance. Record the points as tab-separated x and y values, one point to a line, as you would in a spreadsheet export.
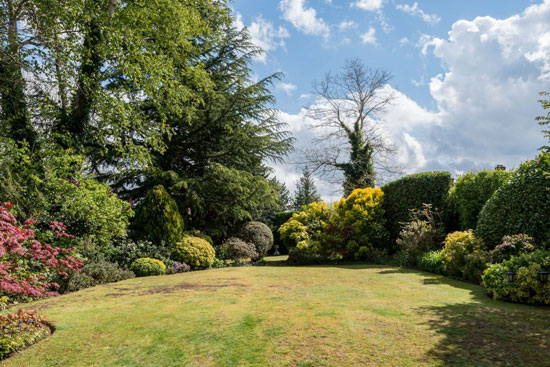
290	316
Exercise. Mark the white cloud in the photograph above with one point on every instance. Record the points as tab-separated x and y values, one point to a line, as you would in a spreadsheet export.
369	5
369	36
426	41
403	41
288	88
346	24
263	34
303	18
416	11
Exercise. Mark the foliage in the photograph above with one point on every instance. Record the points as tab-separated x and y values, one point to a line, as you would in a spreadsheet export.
307	256
432	261
421	234
276	221
178	267
545	120
526	287
194	251
511	246
464	256
472	190
126	251
410	193
230	196
236	249
306	191
28	268
19	330
218	263
260	235
158	218
93	274
521	206
305	228
147	266
358	226
198	233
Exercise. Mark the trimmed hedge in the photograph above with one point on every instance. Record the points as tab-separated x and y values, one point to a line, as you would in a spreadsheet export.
472	190
520	206
158	217
195	252
146	266
410	193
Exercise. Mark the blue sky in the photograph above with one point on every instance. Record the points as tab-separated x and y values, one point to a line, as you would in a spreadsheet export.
467	72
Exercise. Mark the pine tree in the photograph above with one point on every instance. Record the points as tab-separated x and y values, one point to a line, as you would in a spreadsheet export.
306	192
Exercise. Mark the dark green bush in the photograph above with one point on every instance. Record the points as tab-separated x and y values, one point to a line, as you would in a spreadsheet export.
258	234
93	274
433	262
520	206
236	249
146	266
472	190
410	193
512	245
464	256
297	256
158	218
126	251
276	222
526	287
195	252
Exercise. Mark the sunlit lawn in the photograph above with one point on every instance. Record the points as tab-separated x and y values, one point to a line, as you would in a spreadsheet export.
290	316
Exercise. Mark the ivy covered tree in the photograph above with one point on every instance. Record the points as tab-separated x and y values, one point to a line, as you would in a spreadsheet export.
306	191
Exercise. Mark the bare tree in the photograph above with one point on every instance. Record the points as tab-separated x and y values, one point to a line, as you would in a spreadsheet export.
349	118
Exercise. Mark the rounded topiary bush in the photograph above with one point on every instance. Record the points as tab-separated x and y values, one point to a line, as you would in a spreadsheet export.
472	190
526	287
520	206
194	251
236	249
258	234
158	218
147	266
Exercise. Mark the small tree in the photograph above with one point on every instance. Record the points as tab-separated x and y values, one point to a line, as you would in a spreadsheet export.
306	192
158	217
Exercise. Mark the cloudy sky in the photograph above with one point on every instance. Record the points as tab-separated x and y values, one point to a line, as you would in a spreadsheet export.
466	73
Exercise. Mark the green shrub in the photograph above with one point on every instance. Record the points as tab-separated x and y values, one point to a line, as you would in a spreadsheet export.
358	226
93	274
126	251
464	256
520	206
433	262
236	249
421	234
526	288
158	218
298	256
410	193
512	245
195	252
147	266
259	235
472	190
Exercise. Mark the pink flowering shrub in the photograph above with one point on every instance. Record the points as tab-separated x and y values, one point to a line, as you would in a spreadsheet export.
28	268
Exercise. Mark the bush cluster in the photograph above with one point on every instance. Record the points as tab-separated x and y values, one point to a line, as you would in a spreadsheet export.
146	266
526	287
236	249
520	206
194	251
93	274
464	256
472	190
512	245
410	193
126	251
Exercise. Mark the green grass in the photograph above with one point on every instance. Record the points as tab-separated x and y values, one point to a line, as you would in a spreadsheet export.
289	316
